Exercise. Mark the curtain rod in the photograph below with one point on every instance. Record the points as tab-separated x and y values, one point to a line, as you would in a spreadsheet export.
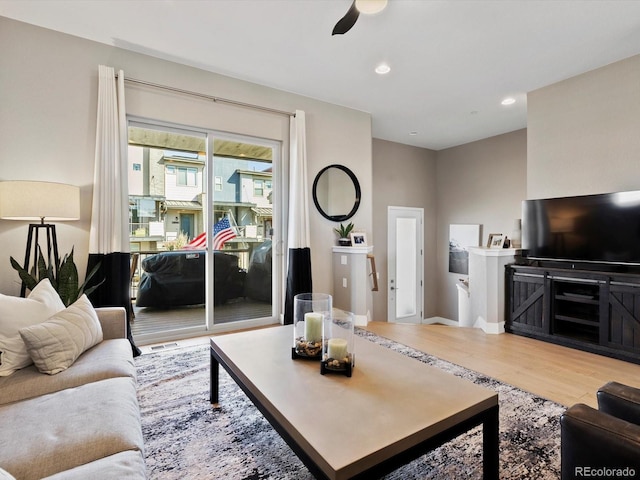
208	97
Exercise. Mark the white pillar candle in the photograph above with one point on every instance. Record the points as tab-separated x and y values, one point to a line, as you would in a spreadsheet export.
337	348
313	327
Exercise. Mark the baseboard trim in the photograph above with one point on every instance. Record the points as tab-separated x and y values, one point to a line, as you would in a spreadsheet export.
490	328
439	320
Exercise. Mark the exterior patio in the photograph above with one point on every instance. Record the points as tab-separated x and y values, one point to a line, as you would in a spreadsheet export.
154	320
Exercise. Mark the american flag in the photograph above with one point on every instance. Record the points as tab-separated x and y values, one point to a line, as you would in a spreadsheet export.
198	243
222	231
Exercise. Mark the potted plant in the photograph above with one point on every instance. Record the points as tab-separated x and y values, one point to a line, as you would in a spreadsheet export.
63	277
343	234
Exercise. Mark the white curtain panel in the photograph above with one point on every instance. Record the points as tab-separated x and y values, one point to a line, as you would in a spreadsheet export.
298	231
110	210
299	259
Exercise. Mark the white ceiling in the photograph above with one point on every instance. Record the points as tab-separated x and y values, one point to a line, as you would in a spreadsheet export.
452	61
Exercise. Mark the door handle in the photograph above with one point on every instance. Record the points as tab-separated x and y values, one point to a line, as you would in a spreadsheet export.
374	273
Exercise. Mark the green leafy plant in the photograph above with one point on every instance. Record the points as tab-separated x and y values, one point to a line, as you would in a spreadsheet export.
344	230
63	277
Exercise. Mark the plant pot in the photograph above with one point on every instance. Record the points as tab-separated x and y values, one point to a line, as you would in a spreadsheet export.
344	242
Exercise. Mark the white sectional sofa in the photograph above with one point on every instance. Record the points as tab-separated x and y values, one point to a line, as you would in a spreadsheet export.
80	423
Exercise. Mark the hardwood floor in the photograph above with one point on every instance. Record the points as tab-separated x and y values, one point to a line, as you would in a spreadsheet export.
560	374
563	375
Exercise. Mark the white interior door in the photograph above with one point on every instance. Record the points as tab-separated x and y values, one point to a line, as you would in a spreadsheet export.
405	241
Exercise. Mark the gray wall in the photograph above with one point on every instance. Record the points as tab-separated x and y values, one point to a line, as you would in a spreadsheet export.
582	137
484	183
48	95
404	176
584	133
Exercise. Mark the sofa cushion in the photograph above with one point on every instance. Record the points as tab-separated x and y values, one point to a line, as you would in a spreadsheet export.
55	344
69	428
125	465
108	359
17	313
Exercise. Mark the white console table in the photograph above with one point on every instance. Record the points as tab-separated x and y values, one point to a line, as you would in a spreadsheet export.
351	282
486	286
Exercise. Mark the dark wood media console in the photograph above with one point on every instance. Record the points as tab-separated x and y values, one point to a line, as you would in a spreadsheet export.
596	311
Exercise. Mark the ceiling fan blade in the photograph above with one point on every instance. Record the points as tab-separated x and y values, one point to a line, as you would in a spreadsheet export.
346	22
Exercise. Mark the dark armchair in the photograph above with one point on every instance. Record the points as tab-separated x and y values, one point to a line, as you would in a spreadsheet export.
603	443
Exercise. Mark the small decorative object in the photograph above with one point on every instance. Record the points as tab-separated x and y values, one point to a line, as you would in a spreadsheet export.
496	240
358	239
343	234
338	354
310	310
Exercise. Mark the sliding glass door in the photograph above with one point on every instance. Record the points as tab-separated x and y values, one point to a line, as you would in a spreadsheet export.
204	223
244	231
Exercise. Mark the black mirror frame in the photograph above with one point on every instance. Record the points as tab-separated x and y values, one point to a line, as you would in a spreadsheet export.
356	204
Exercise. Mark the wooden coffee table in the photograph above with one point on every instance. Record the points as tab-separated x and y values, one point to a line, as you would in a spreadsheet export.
392	410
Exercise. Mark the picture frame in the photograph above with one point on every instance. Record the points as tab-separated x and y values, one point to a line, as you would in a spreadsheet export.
358	239
461	237
496	240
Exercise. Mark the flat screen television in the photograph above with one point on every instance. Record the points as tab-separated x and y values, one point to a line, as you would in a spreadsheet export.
603	228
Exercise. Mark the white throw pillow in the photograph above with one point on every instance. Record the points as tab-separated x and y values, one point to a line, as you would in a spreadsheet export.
4	475
55	344
17	313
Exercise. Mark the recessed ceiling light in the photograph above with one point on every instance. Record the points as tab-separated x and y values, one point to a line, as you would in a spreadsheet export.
383	69
508	101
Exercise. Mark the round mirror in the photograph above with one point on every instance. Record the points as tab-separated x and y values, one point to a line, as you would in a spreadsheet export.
336	193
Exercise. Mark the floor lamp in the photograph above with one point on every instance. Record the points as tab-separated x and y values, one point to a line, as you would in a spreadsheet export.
33	201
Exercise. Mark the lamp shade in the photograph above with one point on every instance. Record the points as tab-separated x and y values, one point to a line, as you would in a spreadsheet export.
371	7
26	200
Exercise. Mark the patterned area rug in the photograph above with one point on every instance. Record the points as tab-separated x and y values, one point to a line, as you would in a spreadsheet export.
186	438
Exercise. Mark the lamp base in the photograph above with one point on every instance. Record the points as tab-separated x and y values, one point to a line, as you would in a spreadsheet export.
33	245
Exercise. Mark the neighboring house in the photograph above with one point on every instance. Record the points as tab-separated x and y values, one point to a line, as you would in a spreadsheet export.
184	187
146	198
166	197
256	189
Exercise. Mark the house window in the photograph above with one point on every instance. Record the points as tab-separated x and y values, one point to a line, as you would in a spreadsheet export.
137	167
187	176
218	184
258	188
142	211
146	207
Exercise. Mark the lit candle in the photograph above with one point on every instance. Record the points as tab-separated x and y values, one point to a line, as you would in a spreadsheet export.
313	327
337	348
